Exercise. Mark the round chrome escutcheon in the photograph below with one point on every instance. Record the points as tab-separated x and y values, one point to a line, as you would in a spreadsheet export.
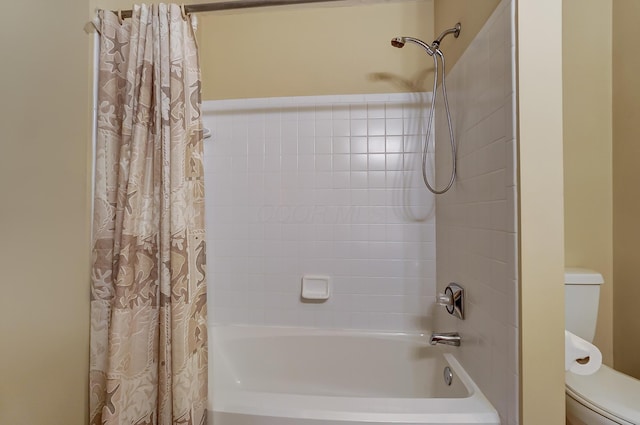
448	375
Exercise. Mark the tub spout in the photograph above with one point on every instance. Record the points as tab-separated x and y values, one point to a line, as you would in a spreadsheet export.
446	338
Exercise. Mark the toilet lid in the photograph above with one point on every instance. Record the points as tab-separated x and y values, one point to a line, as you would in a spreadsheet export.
609	390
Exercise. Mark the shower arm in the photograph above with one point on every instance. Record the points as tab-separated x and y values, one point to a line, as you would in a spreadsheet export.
455	31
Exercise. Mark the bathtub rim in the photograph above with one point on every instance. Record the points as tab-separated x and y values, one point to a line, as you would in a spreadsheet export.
244	331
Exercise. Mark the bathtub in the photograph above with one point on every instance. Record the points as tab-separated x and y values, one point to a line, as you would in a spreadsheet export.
298	376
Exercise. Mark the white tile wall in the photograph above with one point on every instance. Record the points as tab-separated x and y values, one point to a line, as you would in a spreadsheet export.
324	185
476	226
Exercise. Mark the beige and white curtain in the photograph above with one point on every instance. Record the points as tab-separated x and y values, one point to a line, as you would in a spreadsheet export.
148	294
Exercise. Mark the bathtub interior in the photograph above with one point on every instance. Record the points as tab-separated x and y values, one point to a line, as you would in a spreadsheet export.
339	364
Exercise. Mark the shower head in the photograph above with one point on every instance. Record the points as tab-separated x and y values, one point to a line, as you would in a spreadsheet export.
399	42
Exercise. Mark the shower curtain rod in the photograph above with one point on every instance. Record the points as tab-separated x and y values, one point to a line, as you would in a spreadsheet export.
240	4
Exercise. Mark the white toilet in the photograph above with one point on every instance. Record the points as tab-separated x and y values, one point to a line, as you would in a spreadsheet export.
607	397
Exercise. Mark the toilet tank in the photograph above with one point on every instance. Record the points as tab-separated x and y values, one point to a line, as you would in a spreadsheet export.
582	294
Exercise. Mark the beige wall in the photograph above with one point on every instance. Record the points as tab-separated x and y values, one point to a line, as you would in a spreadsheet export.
541	211
340	48
44	306
265	52
588	198
626	203
314	50
472	14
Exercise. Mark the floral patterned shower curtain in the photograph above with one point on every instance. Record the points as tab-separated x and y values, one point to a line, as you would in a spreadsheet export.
148	294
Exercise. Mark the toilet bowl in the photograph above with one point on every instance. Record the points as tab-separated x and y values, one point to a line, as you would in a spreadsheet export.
606	397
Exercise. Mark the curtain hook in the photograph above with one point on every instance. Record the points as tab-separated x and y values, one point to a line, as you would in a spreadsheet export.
120	16
184	12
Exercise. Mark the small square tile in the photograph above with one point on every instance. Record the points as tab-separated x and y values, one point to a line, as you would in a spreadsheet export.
359	162
358	128
359	145
375	127
376	144
341	145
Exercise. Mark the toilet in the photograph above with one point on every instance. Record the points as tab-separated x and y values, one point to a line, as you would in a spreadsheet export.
606	397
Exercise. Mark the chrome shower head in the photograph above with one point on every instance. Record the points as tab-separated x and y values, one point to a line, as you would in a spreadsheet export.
399	42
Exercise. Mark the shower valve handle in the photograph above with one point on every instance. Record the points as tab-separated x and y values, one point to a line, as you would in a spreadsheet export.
453	300
444	300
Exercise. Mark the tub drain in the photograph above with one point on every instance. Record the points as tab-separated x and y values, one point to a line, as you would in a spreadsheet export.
448	375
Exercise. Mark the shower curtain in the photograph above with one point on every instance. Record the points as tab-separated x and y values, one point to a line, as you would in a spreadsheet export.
148	360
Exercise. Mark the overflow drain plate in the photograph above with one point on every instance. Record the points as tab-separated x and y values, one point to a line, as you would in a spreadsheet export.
448	375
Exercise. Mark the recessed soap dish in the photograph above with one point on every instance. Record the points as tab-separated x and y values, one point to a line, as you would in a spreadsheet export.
316	287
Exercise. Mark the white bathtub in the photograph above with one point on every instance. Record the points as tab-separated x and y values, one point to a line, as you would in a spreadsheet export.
298	376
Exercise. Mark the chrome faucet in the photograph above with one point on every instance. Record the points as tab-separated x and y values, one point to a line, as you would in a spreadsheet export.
446	338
